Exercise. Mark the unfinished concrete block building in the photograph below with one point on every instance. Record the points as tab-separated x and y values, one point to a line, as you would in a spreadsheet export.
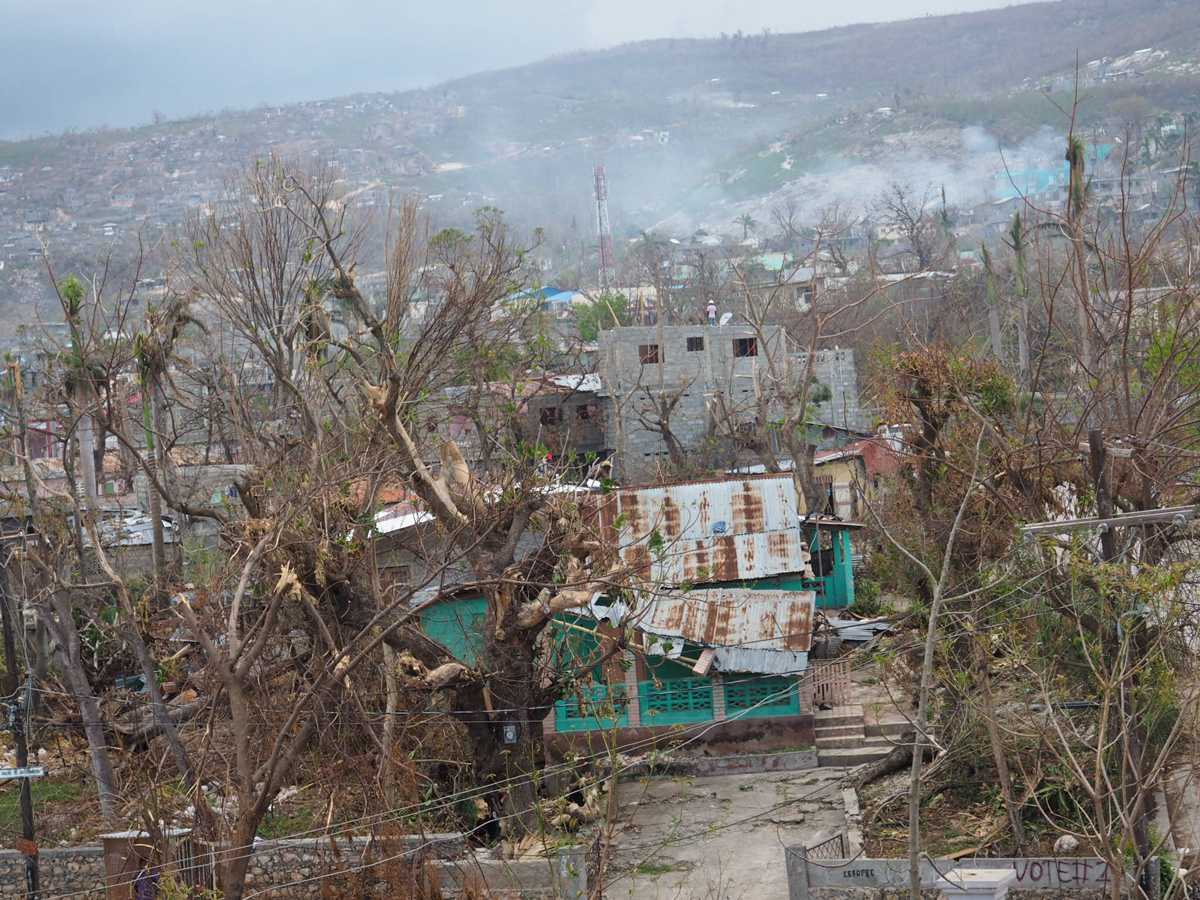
700	386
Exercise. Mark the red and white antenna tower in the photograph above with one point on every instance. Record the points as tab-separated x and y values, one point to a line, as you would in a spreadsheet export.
604	231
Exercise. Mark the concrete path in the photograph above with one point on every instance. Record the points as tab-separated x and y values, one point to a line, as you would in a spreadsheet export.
720	837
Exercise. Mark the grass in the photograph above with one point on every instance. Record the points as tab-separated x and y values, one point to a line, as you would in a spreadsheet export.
282	824
44	792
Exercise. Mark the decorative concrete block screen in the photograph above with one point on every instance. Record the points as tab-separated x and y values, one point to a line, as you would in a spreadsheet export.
771	696
677	701
592	708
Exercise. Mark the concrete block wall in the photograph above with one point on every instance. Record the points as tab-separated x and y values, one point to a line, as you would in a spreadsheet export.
81	871
836	369
709	366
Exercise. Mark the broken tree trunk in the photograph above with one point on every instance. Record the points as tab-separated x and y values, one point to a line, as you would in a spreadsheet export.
896	761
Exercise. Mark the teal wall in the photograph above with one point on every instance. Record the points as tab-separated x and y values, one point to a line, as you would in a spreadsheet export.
678	701
593	707
762	697
834	591
839	588
675	701
591	704
457	625
671	695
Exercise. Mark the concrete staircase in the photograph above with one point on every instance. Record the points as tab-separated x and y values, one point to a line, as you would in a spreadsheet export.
845	737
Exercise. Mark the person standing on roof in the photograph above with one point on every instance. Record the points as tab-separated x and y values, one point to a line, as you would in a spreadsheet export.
712	313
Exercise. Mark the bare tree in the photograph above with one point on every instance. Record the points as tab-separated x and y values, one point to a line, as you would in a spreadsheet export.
791	329
915	220
355	404
937	586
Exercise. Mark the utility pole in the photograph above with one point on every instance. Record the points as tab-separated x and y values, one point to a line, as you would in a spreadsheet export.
1097	455
16	723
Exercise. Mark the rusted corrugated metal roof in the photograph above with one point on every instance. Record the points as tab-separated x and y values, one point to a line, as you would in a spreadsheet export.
721	530
732	617
768	632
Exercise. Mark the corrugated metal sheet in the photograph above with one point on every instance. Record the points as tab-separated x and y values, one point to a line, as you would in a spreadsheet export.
722	530
859	630
761	662
733	618
130	528
768	632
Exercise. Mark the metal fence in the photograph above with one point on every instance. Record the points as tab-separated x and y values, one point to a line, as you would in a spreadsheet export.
833	848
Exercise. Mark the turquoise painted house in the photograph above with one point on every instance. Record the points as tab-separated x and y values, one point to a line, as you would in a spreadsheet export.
730	655
725	621
457	624
731	578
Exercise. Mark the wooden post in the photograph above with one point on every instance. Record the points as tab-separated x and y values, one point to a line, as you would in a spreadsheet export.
1098	458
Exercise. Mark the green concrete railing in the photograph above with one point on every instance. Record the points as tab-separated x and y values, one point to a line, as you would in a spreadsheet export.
593	708
676	701
762	697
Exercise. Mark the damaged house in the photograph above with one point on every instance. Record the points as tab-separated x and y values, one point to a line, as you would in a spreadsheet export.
717	634
722	631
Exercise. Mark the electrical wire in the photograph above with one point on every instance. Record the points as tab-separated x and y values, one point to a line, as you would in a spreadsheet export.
391	815
472	793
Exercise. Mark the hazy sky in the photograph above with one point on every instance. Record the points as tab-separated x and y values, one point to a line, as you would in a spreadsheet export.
83	63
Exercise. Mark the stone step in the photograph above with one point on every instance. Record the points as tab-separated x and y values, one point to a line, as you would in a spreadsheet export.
839	715
844	742
855	730
891	725
855	756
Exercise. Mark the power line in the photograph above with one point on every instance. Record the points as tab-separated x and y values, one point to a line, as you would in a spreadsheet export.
383	817
393	814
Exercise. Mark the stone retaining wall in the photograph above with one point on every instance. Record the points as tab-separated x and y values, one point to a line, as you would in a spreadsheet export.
68	870
61	871
876	894
1040	876
289	866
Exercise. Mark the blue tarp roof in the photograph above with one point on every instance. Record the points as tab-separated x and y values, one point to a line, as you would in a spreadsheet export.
541	293
1028	182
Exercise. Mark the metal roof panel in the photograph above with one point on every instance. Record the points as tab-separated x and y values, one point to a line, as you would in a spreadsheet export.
733	618
725	530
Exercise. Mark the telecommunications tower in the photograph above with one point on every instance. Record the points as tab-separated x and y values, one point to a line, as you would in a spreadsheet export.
604	231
